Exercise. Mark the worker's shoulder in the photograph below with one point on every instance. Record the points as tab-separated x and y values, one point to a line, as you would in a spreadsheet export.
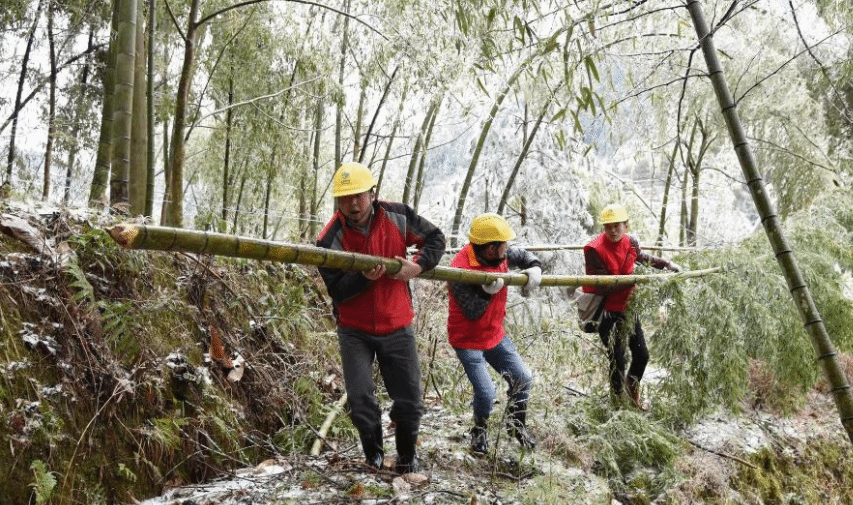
328	233
395	207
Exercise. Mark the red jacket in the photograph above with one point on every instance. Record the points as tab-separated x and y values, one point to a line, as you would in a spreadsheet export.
604	257
385	305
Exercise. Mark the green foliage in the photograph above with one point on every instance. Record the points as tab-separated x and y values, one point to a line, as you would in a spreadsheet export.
83	290
44	482
709	331
786	477
126	472
632	451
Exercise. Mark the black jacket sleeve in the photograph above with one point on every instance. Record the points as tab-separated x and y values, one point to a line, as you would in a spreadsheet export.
422	234
648	259
343	284
471	299
521	259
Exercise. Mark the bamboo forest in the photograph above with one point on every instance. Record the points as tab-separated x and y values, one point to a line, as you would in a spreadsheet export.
210	208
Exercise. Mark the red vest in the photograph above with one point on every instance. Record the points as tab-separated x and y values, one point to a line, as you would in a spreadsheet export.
486	331
387	305
619	258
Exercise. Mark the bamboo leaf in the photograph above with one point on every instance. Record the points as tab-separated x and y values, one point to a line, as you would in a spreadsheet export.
590	66
519	28
578	127
480	85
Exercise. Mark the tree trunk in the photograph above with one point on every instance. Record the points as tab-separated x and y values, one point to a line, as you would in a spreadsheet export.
342	98
97	191
22	79
475	158
173	201
376	114
149	87
356	135
138	180
268	191
826	354
417	152
391	139
521	157
167	151
419	180
239	200
51	120
123	113
226	164
79	113
311	217
666	187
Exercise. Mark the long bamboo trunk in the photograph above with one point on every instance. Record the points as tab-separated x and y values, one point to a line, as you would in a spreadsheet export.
10	163
123	112
475	157
51	122
812	321
161	238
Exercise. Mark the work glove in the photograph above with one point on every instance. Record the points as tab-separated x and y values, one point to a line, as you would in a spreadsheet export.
674	267
534	278
494	286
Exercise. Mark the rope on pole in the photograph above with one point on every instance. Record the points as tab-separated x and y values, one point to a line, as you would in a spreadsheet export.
162	238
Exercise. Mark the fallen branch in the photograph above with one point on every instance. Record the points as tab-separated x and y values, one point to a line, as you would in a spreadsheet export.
324	429
729	456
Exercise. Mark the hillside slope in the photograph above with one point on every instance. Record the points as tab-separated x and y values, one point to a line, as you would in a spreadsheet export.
130	375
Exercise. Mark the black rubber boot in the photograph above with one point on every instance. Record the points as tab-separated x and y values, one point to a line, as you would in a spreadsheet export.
516	426
480	436
371	443
406	438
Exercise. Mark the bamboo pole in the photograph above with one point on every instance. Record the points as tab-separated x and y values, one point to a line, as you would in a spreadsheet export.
579	247
327	423
812	321
162	238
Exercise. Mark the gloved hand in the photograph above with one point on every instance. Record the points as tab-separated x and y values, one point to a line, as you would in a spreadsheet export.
534	278
494	286
674	267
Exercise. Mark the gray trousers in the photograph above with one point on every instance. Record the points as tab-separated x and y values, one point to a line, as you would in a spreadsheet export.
399	365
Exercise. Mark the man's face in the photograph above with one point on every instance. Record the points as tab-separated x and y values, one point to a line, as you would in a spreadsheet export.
356	208
615	231
495	253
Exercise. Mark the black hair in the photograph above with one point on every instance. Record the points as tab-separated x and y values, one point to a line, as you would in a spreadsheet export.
482	247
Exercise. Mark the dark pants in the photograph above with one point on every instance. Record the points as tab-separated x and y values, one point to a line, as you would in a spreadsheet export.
399	365
614	330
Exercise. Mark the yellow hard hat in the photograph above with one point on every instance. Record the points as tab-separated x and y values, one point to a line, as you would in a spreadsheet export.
352	178
614	213
490	227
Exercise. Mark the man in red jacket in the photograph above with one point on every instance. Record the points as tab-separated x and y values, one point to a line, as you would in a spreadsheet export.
373	310
614	253
476	332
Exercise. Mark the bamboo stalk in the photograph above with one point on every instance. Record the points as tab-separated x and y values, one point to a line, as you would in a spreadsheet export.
579	247
161	238
812	322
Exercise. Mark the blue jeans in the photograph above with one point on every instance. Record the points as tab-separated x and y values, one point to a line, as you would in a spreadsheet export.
399	365
504	358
